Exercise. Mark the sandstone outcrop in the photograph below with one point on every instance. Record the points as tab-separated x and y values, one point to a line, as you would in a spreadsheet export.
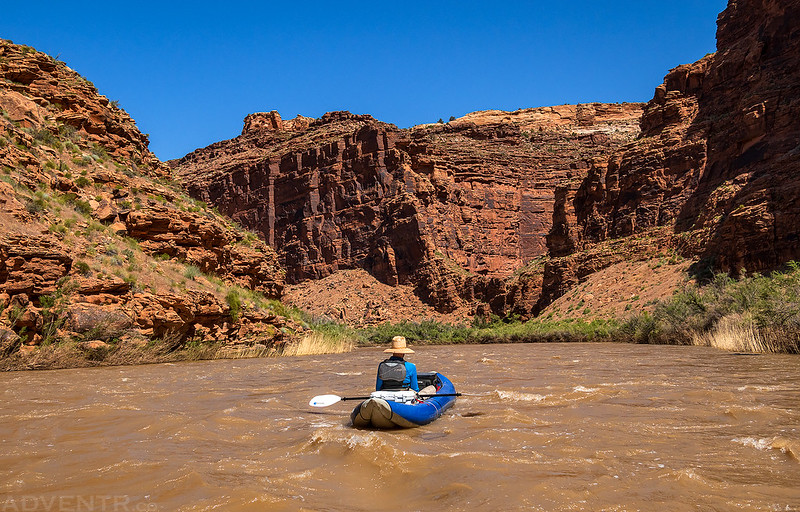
718	159
38	88
212	246
95	245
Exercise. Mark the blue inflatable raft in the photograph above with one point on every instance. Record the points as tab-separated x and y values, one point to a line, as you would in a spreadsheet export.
401	410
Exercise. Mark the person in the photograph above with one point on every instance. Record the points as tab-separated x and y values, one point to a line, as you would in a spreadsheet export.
397	373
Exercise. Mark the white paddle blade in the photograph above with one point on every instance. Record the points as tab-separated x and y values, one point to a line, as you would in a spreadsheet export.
324	400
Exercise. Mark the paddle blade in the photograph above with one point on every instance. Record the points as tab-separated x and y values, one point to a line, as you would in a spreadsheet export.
324	400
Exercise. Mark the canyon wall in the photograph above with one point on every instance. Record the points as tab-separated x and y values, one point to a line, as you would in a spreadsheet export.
454	209
506	211
718	159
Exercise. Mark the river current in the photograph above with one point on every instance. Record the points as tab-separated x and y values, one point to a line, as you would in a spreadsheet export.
550	427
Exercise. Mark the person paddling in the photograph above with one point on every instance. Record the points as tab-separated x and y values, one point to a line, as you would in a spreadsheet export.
397	373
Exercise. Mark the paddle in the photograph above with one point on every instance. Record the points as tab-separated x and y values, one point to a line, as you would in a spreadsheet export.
326	400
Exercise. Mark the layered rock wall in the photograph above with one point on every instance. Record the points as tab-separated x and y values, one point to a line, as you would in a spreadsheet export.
451	208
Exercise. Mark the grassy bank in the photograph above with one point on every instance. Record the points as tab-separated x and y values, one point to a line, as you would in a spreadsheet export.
71	354
760	313
436	333
498	331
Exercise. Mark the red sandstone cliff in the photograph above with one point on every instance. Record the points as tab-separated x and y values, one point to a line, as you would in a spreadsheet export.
454	209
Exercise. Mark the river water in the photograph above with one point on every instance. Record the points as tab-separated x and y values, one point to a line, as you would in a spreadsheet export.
545	427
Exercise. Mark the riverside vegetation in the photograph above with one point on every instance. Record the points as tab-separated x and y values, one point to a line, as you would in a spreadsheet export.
758	314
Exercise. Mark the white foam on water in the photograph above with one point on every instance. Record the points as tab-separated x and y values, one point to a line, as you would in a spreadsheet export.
355	441
687	474
329	436
756	387
758	444
347	374
582	389
786	446
520	397
323	424
690	473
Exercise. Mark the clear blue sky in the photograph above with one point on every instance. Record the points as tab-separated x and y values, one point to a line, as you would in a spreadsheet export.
189	72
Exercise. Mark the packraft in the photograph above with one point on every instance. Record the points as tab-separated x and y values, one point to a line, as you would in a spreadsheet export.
404	408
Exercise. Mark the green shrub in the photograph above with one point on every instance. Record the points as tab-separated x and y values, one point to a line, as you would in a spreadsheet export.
191	272
100	152
66	131
82	207
82	267
234	303
83	161
83	181
771	303
58	227
54	307
44	136
37	205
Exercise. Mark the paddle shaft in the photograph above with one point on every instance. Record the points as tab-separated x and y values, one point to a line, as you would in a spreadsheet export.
421	396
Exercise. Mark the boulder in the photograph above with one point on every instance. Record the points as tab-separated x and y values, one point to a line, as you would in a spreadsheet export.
98	322
32	264
9	341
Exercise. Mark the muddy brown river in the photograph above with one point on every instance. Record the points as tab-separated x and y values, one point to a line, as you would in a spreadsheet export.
546	427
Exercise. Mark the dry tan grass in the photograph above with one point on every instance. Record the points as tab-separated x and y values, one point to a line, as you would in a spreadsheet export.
244	352
735	333
69	354
316	343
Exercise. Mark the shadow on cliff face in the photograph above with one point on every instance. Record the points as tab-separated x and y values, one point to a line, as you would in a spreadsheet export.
745	209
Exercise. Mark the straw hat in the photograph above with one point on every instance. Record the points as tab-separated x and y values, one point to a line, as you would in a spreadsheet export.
399	346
